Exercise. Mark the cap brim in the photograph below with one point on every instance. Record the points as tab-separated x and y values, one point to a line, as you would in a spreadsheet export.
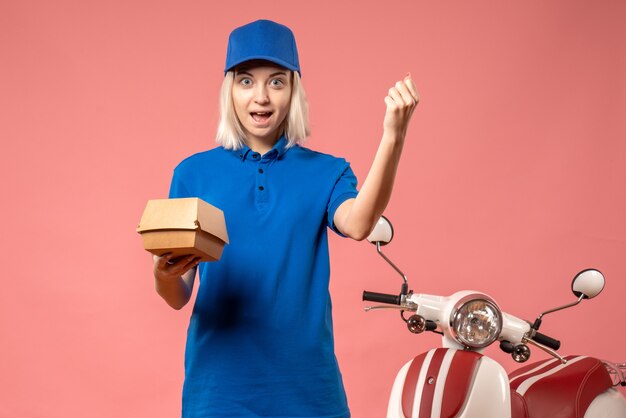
264	58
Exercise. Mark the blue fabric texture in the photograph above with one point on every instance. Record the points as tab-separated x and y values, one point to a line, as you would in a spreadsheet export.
260	338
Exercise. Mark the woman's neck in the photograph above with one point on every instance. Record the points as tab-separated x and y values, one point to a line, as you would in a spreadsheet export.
261	145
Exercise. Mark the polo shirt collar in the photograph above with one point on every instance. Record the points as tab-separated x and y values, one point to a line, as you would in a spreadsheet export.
279	148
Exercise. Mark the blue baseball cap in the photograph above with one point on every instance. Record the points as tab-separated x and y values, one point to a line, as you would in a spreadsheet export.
262	40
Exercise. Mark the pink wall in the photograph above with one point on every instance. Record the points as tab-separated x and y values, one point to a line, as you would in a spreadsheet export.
512	178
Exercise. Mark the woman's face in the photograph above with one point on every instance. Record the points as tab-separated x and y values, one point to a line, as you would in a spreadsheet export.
261	97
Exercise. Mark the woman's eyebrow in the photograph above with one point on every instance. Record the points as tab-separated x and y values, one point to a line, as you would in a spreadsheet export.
284	73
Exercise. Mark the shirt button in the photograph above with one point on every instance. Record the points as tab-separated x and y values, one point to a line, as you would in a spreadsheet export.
261	188
255	156
261	170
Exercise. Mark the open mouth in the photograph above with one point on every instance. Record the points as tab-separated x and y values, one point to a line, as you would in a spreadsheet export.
260	117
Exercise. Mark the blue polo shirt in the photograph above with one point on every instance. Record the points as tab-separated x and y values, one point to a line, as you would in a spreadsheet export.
260	338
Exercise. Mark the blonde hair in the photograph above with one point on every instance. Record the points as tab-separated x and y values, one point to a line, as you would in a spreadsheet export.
296	127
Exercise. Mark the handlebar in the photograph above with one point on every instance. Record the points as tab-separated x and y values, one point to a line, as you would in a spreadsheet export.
547	341
381	298
390	299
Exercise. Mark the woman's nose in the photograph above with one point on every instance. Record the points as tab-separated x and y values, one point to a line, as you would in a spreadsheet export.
260	95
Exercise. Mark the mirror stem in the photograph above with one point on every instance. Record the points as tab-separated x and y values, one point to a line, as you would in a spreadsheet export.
537	323
405	285
563	307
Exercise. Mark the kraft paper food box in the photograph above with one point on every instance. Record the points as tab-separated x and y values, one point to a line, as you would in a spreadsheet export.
183	226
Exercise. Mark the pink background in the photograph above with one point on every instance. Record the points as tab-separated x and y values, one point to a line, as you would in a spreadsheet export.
512	178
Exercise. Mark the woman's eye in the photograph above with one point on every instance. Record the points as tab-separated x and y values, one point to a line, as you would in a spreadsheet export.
245	82
277	82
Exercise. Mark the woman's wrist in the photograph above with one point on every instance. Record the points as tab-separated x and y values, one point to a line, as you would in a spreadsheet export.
392	136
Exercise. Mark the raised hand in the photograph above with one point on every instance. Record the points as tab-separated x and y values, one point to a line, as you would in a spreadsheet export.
401	101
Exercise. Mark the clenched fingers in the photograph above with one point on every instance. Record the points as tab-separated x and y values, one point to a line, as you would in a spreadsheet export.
410	85
401	101
403	93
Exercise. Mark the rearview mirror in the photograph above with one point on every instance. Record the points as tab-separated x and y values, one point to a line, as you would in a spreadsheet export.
382	232
588	283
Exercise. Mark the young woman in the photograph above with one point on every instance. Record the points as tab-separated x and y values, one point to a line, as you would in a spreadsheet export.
260	339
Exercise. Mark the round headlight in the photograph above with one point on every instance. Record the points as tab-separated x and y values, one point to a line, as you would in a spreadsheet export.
476	321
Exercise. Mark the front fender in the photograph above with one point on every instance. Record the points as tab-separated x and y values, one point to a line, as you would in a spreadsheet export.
446	382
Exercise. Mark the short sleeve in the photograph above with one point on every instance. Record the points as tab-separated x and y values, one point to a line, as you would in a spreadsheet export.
177	187
345	188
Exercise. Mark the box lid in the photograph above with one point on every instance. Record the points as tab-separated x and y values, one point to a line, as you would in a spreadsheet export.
189	213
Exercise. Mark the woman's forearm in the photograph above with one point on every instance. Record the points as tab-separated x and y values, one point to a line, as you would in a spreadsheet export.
173	279
375	193
357	217
176	293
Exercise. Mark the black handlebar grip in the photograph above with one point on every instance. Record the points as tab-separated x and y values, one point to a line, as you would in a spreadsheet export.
381	297
507	346
547	341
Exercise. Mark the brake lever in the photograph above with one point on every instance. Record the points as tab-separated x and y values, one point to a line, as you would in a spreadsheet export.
548	350
412	307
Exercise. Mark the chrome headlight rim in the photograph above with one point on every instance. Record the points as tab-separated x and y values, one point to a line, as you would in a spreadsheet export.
474	297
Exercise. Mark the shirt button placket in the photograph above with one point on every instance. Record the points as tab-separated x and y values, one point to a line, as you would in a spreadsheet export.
261	192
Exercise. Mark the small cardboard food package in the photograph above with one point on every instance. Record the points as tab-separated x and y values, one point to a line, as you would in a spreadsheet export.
187	226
